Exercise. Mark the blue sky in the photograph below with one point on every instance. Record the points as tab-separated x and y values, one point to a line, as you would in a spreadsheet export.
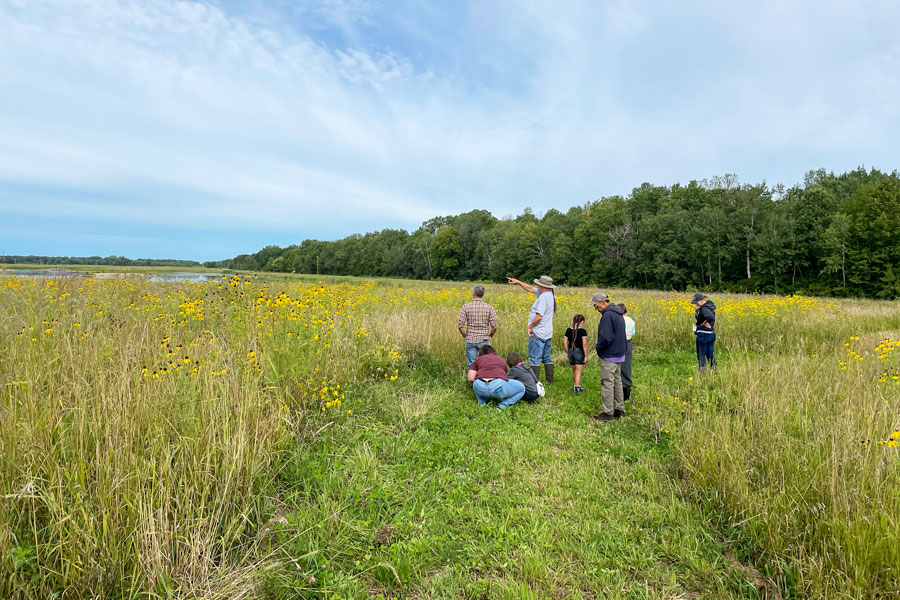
203	130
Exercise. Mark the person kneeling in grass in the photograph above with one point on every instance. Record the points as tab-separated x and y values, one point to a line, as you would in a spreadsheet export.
489	379
521	372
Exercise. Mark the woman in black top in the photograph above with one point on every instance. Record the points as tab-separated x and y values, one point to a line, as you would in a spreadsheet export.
575	344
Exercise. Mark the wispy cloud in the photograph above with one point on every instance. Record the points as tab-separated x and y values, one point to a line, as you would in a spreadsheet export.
334	116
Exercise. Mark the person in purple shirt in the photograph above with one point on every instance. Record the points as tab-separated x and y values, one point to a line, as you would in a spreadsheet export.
611	349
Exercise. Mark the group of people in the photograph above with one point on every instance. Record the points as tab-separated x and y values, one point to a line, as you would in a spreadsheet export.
510	380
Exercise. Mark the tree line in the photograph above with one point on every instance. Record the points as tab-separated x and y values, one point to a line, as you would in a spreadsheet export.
109	261
830	235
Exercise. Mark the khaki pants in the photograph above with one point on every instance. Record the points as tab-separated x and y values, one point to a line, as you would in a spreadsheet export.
611	390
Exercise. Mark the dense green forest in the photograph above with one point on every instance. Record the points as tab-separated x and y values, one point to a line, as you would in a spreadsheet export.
108	261
832	235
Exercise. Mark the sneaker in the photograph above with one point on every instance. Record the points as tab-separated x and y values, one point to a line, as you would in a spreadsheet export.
605	417
618	414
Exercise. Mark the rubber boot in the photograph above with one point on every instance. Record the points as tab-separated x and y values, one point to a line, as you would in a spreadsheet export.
536	369
627	392
548	371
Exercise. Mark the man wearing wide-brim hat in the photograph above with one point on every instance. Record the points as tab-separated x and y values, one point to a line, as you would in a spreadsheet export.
540	324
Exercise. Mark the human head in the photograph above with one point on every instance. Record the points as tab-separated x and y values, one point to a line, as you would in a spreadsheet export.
577	320
622	306
486	349
513	359
544	283
698	299
599	301
478	291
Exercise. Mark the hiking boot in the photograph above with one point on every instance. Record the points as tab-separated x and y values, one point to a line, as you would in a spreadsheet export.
618	414
605	417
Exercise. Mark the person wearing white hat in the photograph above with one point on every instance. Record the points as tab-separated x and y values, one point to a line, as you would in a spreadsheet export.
540	324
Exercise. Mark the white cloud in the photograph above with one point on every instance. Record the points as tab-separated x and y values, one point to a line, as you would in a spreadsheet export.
265	120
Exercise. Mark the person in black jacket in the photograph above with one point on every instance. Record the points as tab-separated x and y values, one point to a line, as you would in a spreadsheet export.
519	371
611	350
705	330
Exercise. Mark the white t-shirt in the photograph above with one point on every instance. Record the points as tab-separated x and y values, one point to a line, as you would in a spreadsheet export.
543	306
629	327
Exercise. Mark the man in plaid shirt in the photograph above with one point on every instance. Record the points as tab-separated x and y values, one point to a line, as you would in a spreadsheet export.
477	323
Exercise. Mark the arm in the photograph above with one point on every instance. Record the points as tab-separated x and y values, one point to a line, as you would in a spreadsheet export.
602	338
493	322
525	286
461	323
566	343
584	345
533	324
471	375
703	317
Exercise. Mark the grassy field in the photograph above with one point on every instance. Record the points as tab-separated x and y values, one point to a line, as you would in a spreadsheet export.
249	438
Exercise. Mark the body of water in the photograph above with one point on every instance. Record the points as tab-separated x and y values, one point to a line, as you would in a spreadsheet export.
185	276
64	273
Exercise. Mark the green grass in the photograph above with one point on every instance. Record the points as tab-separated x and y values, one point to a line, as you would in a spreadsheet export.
425	494
192	441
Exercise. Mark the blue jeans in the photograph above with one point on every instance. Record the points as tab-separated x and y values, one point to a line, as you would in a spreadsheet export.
539	350
508	392
706	348
472	350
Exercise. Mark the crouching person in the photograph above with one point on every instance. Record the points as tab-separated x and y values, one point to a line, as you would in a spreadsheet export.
521	372
488	375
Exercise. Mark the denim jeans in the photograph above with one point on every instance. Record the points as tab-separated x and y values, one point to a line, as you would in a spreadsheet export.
706	348
508	392
539	350
472	350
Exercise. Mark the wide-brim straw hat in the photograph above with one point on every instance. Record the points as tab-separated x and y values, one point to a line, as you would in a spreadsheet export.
545	281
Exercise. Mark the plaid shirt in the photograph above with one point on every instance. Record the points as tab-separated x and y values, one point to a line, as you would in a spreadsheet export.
478	318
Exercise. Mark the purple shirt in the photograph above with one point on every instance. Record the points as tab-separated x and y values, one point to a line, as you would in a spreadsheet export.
615	359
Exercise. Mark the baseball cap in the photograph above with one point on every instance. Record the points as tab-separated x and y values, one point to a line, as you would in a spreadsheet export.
599	297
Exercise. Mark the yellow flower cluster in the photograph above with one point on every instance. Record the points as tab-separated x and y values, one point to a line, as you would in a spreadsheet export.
749	306
893	441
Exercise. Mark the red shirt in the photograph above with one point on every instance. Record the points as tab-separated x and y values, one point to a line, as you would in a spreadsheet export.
489	366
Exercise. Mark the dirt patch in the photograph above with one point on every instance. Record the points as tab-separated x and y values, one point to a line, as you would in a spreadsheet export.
768	590
384	535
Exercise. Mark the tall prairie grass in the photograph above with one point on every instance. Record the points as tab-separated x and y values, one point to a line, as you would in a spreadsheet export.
143	425
801	450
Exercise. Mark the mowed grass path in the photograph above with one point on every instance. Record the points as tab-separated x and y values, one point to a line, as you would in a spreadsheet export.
423	494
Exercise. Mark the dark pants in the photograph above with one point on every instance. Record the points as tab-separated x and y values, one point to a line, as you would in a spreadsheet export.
626	366
706	349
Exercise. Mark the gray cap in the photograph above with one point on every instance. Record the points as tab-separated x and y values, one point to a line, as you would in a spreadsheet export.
598	297
697	298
